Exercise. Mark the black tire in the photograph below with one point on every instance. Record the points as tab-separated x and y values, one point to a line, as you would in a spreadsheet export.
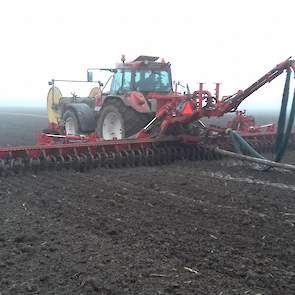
71	116
131	121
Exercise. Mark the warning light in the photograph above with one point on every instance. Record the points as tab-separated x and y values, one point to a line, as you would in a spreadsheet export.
187	110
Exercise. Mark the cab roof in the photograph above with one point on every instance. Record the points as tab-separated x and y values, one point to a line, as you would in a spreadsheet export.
145	62
146	58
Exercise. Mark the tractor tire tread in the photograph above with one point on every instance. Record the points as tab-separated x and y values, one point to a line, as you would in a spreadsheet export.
133	120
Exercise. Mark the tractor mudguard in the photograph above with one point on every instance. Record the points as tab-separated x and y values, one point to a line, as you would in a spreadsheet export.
138	102
85	116
133	99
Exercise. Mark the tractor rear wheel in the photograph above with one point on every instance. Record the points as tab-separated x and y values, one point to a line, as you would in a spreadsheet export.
71	123
119	121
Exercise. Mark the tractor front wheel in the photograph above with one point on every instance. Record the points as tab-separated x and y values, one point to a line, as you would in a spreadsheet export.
110	123
116	120
71	123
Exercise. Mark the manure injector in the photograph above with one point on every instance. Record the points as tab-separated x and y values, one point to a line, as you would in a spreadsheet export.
144	120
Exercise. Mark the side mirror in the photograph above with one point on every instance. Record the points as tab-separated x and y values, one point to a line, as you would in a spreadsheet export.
100	84
89	76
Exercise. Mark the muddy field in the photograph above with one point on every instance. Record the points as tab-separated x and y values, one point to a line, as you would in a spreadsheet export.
218	227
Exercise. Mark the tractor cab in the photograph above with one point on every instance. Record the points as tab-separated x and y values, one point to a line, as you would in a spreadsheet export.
144	75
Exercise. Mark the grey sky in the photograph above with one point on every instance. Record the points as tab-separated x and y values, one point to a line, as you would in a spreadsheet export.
233	42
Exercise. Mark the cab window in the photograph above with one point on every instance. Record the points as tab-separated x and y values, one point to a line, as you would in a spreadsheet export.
117	82
122	81
127	81
148	81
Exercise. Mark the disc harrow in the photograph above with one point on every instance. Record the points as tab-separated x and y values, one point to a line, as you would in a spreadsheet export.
120	153
110	154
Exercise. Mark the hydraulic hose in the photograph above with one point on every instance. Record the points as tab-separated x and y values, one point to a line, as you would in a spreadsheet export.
283	132
239	141
255	160
282	138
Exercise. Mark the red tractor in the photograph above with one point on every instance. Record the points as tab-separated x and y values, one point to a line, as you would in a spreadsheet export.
138	89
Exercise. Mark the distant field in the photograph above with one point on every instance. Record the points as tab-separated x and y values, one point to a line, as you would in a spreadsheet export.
19	126
26	110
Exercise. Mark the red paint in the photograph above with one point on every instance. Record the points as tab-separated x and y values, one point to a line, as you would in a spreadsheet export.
188	110
138	102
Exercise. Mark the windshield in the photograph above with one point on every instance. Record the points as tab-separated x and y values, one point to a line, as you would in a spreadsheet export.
152	81
141	80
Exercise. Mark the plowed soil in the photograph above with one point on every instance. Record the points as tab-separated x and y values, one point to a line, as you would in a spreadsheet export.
209	227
